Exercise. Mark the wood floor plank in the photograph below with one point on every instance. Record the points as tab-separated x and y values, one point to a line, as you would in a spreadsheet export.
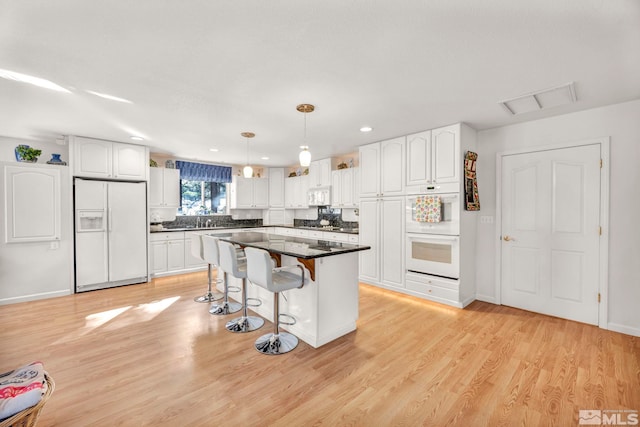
147	355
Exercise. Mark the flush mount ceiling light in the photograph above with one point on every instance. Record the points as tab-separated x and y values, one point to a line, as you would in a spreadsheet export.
109	97
305	155
215	150
264	158
137	138
36	81
546	98
366	129
247	171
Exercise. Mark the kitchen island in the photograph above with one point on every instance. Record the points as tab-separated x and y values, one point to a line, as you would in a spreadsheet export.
326	307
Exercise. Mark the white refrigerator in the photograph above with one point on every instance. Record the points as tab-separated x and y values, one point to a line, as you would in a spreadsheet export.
110	233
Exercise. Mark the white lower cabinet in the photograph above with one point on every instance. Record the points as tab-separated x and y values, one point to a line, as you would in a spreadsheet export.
171	254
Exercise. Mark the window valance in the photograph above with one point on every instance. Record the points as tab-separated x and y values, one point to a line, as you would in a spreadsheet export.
201	172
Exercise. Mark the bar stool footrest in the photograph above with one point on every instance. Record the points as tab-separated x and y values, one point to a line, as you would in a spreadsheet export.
255	304
289	323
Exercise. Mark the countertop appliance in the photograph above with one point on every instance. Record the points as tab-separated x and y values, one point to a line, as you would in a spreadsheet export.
110	233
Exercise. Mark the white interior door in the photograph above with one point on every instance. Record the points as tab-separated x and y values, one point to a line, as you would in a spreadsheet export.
550	232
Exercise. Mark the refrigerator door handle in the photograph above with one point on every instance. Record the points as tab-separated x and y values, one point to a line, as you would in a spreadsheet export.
109	216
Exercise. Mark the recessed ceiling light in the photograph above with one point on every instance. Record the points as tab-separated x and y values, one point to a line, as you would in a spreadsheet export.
215	150
264	158
137	138
109	97
366	129
36	81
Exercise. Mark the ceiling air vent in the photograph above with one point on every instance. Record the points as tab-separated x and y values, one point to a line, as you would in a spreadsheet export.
547	98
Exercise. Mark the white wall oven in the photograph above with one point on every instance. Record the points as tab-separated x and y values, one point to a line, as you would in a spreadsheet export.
434	254
433	214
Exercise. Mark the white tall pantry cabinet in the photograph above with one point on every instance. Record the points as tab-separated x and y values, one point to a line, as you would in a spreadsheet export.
416	164
381	221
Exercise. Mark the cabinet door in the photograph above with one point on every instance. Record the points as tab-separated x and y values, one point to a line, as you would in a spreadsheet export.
243	193
392	166
336	188
419	158
370	170
445	149
314	174
324	175
276	187
32	201
171	187
347	188
392	238
191	261
156	187
369	236
260	193
303	200
175	255
289	193
130	161
159	257
92	158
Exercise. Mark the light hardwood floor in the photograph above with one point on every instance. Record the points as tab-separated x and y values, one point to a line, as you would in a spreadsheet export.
147	355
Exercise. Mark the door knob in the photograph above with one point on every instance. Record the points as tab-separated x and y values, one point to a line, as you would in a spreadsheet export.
507	238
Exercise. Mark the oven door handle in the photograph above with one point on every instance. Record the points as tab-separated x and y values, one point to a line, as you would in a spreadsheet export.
432	237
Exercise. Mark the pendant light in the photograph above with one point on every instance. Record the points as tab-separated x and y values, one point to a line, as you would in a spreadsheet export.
305	155
247	171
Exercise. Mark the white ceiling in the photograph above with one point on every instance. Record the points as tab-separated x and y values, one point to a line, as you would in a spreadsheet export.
200	72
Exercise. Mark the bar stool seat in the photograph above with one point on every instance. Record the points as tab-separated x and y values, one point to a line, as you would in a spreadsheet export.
260	272
197	250
238	268
212	256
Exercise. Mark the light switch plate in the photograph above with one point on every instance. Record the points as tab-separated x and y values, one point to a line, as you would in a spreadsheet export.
486	219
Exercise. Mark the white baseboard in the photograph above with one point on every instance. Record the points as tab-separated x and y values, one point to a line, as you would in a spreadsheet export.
486	298
34	297
624	329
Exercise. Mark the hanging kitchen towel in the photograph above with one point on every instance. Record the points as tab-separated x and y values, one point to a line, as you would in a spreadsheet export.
471	197
428	208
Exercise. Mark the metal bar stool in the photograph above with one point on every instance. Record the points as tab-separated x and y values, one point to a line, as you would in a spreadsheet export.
197	250
212	256
260	271
238	268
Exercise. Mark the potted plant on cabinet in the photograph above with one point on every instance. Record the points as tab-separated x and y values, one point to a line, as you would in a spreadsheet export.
24	153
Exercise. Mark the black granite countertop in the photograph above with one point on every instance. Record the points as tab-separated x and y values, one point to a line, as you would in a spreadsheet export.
224	227
298	247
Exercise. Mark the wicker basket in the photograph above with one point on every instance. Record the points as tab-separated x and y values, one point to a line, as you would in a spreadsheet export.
29	416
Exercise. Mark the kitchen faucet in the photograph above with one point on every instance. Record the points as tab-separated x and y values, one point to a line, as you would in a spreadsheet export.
198	222
208	222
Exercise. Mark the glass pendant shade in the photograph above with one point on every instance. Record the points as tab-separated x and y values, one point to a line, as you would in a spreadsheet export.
305	157
247	172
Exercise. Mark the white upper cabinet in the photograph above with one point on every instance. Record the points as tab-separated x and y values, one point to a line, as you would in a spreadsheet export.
295	192
370	170
343	191
164	187
95	158
392	166
249	193
130	162
32	203
434	159
276	187
445	146
382	167
419	158
320	173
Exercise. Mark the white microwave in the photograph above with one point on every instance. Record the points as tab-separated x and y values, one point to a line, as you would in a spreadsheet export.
443	214
320	196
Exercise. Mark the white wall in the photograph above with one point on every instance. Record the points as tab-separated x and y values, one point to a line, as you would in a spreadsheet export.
622	123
